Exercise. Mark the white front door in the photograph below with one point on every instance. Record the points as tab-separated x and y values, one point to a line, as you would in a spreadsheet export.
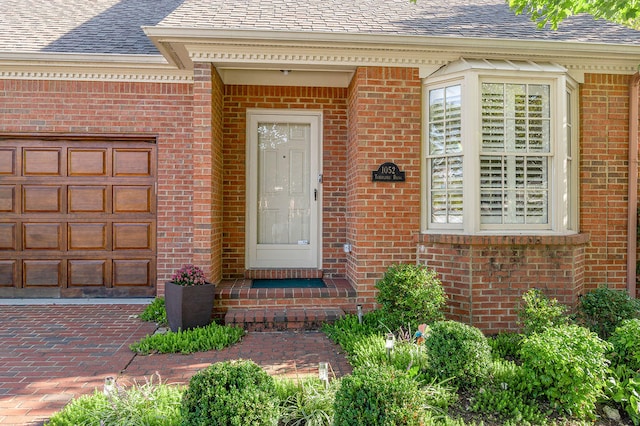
283	182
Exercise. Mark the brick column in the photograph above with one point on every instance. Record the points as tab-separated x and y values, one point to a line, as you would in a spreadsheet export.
207	170
384	106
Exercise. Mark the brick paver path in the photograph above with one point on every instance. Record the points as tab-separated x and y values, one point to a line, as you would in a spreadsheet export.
52	353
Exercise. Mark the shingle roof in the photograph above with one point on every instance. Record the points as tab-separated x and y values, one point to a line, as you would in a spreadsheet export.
114	26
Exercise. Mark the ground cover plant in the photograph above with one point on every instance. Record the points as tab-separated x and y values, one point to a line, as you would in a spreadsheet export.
155	312
555	372
152	403
199	339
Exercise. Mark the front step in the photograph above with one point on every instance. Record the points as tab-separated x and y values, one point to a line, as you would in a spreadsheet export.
236	302
281	319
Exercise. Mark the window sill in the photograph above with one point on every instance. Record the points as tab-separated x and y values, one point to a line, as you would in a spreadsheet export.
505	240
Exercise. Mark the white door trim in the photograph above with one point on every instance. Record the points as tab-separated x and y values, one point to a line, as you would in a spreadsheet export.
301	257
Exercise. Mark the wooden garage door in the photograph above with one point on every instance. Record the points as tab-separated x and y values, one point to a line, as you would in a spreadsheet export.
77	217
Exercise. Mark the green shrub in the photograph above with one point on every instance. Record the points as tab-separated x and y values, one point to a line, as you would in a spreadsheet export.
503	396
505	345
379	396
234	393
539	312
603	309
410	295
624	389
457	351
151	403
626	344
200	339
155	312
567	365
307	402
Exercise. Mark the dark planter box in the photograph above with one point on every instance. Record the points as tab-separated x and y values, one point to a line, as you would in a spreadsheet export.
188	306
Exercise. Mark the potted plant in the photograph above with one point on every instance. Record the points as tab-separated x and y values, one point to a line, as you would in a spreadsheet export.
188	299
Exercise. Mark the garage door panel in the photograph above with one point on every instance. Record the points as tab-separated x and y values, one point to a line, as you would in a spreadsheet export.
87	273
7	161
87	162
8	273
41	199
131	236
42	236
42	162
8	236
7	198
132	199
87	236
87	199
131	272
42	273
132	162
77	216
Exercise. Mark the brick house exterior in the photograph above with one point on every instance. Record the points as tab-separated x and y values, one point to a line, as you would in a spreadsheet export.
369	75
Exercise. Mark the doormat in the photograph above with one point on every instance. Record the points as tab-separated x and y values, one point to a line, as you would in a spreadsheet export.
289	283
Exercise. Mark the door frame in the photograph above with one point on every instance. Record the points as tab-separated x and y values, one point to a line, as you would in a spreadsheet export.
315	119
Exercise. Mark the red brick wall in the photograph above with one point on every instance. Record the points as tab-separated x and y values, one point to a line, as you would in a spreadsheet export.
604	112
112	108
485	277
332	102
382	217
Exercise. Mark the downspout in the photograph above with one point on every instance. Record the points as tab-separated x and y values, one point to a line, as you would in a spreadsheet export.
632	232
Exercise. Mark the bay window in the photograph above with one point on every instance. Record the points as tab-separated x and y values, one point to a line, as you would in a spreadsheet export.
499	144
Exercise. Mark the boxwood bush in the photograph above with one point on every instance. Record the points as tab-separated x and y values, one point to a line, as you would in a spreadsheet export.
379	395
457	351
410	295
234	393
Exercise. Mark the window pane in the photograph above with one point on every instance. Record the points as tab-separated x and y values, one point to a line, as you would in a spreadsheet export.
436	138
438	207
445	147
438	173
514	183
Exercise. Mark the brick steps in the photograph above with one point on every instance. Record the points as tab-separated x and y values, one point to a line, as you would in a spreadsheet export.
281	319
282	308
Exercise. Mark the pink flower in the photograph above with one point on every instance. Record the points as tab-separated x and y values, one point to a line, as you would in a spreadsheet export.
189	275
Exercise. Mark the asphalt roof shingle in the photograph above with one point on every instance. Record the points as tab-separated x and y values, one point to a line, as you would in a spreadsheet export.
114	26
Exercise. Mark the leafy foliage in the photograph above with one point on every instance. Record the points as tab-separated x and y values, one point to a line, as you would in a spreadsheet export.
540	312
626	344
347	331
307	402
457	351
379	395
567	365
553	12
624	388
151	403
199	339
155	312
410	295
603	309
503	396
505	345
234	393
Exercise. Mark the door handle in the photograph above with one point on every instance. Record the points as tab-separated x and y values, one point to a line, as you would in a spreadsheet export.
315	195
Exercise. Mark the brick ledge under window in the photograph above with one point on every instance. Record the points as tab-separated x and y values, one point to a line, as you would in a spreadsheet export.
520	240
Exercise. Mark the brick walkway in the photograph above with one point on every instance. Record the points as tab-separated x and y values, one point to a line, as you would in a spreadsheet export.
52	353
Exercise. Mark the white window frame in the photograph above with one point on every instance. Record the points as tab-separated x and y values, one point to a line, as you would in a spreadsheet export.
562	207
